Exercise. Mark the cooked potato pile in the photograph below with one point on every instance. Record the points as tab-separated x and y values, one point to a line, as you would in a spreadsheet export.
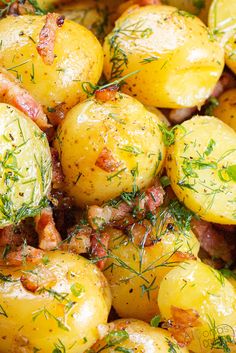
117	176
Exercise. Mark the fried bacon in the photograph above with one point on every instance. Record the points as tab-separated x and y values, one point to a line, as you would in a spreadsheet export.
106	161
22	254
40	278
177	116
141	233
57	174
78	240
19	8
99	246
47	37
148	2
12	93
106	94
49	237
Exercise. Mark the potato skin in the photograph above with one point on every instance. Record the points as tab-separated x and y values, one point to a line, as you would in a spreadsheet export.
128	282
36	316
127	130
197	8
226	110
61	81
140	338
26	167
198	164
179	61
197	286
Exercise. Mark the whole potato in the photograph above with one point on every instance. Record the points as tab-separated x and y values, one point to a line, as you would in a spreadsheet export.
78	58
196	7
129	335
25	167
222	21
134	271
107	148
202	170
64	312
226	110
178	60
198	291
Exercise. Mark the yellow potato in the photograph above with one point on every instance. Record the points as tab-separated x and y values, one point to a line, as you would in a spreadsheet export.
130	135
135	272
196	7
226	110
65	312
222	21
26	170
78	59
178	60
196	286
202	170
129	335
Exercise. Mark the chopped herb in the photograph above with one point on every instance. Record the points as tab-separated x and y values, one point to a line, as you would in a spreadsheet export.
155	321
116	337
227	273
165	181
59	347
124	350
117	174
77	289
2	311
211	105
148	60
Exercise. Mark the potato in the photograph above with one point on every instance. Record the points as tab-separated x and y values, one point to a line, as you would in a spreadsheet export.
89	13
196	7
179	62
64	312
134	272
202	170
131	335
226	110
26	170
78	58
199	288
107	148
222	21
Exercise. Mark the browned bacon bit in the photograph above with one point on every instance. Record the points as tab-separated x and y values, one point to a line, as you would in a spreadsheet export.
106	94
57	114
57	174
40	278
106	161
47	37
179	256
18	234
226	81
181	323
154	197
12	93
78	240
18	8
49	237
140	233
23	254
148	2
99	246
212	240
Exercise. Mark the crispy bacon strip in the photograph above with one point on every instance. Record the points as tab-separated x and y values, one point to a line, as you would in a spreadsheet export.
47	37
99	246
141	233
57	174
12	93
106	94
49	237
40	278
18	8
23	254
106	161
78	241
148	2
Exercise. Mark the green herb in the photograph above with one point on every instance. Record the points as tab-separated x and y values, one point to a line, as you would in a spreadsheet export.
48	315
116	337
227	273
173	347
117	174
146	289
185	14
199	4
165	181
124	350
211	105
2	311
221	342
155	321
77	289
59	347
148	60
131	149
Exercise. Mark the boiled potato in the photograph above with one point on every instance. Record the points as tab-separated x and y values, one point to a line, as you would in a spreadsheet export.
131	335
72	300
226	110
204	291
134	271
222	21
202	170
196	7
179	62
25	166
107	148
78	58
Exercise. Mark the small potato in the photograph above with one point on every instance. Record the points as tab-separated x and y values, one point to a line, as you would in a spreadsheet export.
222	21
107	148
202	170
226	110
129	335
178	61
134	271
64	311
26	170
196	7
78	58
200	299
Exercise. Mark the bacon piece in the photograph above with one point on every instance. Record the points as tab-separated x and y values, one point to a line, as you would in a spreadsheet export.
106	94
211	240
12	93
49	237
19	8
78	240
23	254
57	114
154	198
57	174
106	161
177	116
47	37
226	81
141	233
148	2
40	278
99	246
